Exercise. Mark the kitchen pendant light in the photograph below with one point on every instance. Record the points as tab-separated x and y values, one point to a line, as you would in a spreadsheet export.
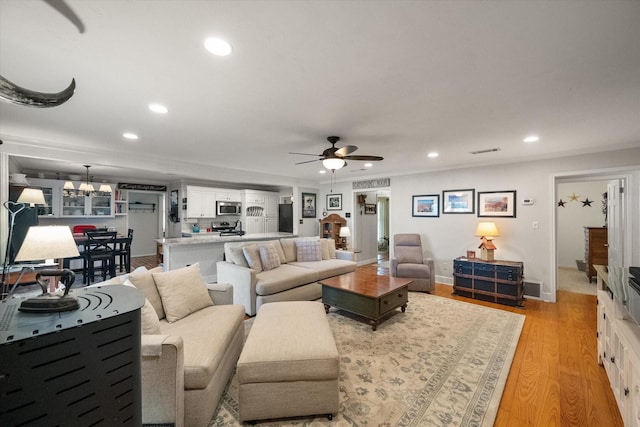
86	186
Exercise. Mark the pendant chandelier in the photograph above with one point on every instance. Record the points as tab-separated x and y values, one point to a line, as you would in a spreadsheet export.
86	186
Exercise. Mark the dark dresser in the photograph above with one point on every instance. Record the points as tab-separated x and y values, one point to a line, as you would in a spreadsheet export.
596	249
494	281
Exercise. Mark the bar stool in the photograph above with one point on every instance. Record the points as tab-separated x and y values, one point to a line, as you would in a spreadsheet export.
124	251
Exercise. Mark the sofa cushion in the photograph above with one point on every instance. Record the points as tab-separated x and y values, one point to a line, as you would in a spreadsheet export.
269	256
252	254
328	268
183	291
206	336
149	322
283	278
144	282
289	248
324	248
308	250
236	256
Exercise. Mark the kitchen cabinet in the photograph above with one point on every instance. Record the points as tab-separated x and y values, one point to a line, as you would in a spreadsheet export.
254	225
253	198
201	202
51	191
271	206
596	249
228	195
271	225
77	203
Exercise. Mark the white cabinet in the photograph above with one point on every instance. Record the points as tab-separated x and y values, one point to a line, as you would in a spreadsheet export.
254	225
228	195
271	225
253	198
201	202
51	190
271	206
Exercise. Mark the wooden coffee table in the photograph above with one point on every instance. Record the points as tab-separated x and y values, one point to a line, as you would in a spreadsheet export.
366	294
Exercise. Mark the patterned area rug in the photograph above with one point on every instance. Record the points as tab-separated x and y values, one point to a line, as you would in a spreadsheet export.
441	363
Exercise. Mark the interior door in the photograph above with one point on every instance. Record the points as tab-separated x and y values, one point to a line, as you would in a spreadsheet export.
615	221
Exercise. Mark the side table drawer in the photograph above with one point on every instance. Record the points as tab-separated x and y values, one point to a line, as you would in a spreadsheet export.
393	300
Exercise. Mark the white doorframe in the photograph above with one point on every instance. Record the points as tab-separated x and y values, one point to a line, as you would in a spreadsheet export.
624	174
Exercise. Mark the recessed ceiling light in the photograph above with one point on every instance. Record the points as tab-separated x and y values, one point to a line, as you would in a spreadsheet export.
432	155
130	135
158	108
531	138
368	165
323	171
217	46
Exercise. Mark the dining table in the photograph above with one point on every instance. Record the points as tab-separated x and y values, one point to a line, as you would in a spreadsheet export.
82	240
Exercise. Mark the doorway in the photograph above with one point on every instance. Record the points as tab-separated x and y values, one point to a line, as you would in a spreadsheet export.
146	216
617	234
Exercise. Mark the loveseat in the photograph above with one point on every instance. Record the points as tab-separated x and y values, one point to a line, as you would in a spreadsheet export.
287	269
191	340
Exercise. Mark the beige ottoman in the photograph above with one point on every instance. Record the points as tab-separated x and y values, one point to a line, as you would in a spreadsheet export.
289	365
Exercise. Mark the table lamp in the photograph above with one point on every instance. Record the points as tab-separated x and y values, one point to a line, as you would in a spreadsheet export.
344	233
487	231
46	242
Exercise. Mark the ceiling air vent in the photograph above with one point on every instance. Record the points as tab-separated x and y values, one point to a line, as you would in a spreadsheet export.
489	150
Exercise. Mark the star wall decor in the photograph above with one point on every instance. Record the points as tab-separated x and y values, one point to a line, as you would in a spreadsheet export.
574	198
586	202
561	203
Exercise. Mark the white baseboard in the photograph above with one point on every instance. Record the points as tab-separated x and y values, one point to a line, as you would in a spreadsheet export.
445	280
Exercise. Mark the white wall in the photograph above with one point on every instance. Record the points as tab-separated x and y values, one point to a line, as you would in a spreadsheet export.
145	224
450	236
574	216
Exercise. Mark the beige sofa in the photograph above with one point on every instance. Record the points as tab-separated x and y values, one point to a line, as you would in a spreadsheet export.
294	278
191	340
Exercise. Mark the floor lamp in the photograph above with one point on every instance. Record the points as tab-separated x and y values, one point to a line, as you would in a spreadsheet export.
30	196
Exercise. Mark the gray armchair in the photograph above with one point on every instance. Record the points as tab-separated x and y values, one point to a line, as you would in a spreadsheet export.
408	262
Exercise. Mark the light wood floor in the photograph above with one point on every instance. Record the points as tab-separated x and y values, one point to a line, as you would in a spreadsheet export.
555	379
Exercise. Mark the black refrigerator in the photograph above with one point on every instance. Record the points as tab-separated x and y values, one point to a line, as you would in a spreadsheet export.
285	218
24	219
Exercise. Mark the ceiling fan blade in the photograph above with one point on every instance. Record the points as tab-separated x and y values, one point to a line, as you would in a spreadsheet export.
306	154
363	157
308	161
346	150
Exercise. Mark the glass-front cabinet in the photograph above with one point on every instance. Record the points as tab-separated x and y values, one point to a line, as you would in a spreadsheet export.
77	202
51	192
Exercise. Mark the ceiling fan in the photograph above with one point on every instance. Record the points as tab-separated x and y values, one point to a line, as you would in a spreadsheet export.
335	158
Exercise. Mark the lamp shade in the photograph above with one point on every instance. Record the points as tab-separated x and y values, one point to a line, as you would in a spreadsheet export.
487	229
69	186
345	232
33	196
47	242
333	163
105	188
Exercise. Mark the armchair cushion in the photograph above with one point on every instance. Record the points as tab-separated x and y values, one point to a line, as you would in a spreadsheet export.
183	291
408	248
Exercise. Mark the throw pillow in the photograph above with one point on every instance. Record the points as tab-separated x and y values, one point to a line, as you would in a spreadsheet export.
145	284
324	248
252	254
149	322
269	257
308	250
278	246
183	291
237	256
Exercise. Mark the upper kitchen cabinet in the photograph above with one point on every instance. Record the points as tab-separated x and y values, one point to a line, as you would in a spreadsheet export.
77	202
201	202
223	195
51	190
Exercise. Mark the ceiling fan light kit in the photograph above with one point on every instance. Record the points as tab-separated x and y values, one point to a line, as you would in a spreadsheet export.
334	163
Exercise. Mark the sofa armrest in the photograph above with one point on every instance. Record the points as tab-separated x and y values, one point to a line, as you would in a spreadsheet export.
432	270
243	280
220	293
163	381
346	255
393	267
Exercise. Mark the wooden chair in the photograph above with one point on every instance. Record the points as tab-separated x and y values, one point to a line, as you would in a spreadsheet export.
100	247
124	252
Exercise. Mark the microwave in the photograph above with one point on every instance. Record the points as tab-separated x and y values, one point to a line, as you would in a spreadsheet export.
228	208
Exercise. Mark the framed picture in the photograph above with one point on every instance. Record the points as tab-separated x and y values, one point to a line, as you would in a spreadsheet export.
458	201
308	205
369	209
497	204
334	202
426	205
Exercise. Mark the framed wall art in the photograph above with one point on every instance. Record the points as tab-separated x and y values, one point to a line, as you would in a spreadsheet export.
308	205
497	204
458	201
426	205
334	202
370	209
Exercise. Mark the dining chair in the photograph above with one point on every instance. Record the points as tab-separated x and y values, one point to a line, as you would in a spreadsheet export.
100	246
124	251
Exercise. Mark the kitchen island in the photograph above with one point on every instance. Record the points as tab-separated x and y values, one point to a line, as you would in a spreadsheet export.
206	249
